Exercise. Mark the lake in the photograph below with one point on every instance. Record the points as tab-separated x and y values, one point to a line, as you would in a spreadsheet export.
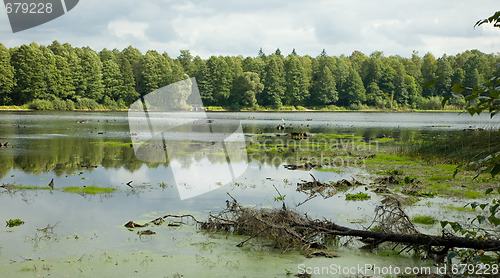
78	235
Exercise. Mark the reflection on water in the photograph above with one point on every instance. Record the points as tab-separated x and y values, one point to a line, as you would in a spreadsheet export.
83	149
62	143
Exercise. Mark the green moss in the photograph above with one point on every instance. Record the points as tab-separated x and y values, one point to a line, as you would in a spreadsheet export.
424	219
89	189
360	196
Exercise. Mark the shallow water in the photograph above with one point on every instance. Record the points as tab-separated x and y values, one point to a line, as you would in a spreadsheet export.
55	145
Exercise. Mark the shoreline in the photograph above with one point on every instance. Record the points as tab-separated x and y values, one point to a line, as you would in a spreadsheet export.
257	111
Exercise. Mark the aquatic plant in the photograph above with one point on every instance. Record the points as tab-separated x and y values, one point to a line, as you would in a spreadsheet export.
14	222
89	189
360	196
424	219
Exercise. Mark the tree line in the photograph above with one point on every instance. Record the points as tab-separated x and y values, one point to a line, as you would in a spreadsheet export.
65	77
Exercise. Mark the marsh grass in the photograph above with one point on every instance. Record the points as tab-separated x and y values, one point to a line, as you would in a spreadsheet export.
456	147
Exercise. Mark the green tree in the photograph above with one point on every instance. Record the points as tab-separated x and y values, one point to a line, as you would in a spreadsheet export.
219	80
29	78
112	79
202	76
91	70
51	73
353	91
324	90
429	66
296	82
186	60
6	76
444	73
412	90
247	87
127	90
134	57
472	67
274	82
154	71
375	96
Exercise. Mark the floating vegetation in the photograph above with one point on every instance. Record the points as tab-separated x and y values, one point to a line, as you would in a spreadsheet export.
14	223
360	196
424	219
89	190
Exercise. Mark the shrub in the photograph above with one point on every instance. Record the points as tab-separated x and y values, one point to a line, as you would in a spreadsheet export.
70	105
110	104
86	103
433	103
121	104
59	104
40	104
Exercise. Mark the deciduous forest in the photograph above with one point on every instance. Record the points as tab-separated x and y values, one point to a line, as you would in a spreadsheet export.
62	77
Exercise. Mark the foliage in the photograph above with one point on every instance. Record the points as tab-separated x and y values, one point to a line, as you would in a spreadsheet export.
87	103
115	79
482	98
59	104
40	104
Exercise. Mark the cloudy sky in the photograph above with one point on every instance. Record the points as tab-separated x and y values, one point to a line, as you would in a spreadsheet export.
241	27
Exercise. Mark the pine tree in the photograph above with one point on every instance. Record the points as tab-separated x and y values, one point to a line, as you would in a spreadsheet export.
296	82
324	90
274	83
353	91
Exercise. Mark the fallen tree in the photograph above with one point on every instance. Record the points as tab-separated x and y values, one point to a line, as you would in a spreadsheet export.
286	229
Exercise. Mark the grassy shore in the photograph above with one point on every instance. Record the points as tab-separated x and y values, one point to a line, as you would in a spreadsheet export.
330	108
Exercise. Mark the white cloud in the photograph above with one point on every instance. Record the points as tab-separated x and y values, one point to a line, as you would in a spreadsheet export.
228	27
124	29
